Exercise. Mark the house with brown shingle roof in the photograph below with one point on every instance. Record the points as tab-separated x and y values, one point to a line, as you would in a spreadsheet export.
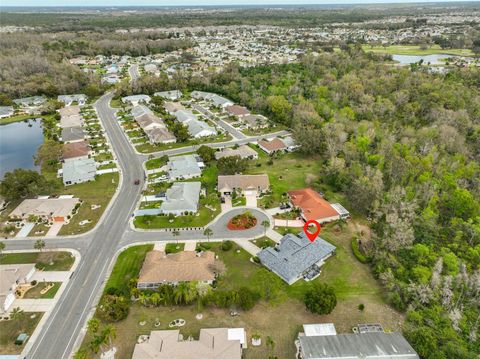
161	268
213	343
75	150
246	184
273	145
237	110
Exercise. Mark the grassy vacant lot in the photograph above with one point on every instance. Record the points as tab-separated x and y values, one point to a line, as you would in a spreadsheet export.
99	192
156	162
416	50
128	266
10	329
34	293
289	171
149	148
61	261
282	316
17	118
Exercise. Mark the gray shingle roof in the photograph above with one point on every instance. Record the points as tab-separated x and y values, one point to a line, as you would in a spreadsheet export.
368	345
74	133
182	197
293	255
184	166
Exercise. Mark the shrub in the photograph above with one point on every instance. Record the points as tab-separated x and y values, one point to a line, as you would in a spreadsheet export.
113	308
247	298
227	245
33	282
356	251
256	259
320	299
361	307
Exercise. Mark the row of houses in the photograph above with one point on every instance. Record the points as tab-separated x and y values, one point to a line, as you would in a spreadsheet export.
152	125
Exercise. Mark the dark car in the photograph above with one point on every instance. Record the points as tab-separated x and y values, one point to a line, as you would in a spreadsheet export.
136	182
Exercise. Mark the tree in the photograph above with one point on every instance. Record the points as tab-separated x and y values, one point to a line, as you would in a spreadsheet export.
49	154
21	183
320	298
144	298
184	293
207	153
113	308
280	109
180	131
265	225
93	325
231	164
247	298
2	248
109	333
208	233
39	245
155	298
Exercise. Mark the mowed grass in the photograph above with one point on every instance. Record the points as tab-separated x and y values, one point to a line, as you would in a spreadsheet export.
99	192
35	292
48	261
416	50
11	329
288	171
282	316
127	267
17	118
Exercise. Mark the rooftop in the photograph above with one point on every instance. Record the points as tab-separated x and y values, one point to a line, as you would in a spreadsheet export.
245	182
49	207
313	205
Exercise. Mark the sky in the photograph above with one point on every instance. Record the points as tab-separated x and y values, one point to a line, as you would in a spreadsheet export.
193	2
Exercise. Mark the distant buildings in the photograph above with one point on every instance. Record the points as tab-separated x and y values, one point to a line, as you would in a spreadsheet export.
295	257
196	128
69	100
213	343
136	99
152	125
214	99
169	95
6	111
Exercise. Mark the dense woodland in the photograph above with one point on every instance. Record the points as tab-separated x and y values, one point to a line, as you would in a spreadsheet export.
404	147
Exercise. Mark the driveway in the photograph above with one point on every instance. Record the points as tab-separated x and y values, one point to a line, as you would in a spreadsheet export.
220	230
34	305
25	230
54	229
227	206
297	223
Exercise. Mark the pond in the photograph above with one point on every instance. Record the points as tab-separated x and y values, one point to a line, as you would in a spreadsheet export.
434	59
19	142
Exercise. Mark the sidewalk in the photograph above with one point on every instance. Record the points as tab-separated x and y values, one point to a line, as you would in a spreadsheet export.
248	246
274	235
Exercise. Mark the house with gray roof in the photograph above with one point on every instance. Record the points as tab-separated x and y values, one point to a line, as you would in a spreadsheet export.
243	151
184	167
68	100
72	134
196	128
181	197
136	99
295	257
215	99
78	171
330	345
30	101
169	95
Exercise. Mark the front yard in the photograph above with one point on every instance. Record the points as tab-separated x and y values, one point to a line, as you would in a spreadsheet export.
47	261
36	292
281	311
11	329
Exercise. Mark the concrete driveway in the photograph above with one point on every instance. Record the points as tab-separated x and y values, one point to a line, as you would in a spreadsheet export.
251	200
297	223
227	206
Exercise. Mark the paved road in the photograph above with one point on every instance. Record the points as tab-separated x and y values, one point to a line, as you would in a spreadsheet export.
98	248
223	124
134	73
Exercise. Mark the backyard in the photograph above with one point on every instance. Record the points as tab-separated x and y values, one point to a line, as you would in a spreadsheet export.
352	281
11	329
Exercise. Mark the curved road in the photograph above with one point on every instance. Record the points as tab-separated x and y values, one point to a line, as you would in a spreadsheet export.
99	247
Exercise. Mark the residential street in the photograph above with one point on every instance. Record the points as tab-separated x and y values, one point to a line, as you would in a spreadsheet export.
63	330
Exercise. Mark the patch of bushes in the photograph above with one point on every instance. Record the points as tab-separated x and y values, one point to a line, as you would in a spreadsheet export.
227	245
320	298
356	251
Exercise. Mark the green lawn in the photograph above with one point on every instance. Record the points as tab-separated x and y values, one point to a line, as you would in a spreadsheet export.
98	192
263	131
34	293
174	248
17	118
10	329
263	242
416	50
239	201
149	148
156	162
288	171
61	261
127	267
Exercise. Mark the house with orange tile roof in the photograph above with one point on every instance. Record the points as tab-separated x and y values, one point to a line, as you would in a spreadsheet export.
313	206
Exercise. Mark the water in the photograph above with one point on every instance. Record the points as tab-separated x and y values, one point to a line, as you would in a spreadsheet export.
18	144
434	59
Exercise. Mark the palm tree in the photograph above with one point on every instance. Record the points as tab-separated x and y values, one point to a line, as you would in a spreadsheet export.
155	298
265	224
2	247
143	297
109	333
39	245
93	325
207	233
181	293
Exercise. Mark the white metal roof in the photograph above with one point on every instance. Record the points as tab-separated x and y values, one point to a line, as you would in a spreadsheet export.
314	330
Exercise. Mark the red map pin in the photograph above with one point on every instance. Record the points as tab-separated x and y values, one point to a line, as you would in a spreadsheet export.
311	235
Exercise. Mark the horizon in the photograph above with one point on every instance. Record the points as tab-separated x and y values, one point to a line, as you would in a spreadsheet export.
210	3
